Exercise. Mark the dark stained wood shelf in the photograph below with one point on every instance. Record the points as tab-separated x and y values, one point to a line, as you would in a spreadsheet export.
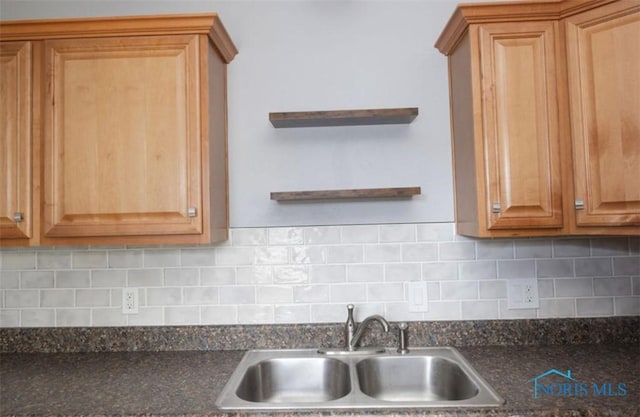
399	192
344	117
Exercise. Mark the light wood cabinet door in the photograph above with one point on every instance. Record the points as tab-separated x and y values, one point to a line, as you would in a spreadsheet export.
603	59
520	125
15	140
122	137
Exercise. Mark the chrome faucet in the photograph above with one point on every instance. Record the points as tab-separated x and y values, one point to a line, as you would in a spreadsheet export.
353	332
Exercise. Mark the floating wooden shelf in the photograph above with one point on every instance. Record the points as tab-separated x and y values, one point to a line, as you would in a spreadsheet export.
344	117
399	192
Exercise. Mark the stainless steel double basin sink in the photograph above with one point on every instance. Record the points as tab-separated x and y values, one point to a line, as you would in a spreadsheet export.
306	379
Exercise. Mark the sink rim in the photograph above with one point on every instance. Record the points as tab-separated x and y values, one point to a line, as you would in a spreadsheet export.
487	397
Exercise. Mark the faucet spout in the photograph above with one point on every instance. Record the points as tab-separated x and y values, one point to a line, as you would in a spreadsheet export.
353	342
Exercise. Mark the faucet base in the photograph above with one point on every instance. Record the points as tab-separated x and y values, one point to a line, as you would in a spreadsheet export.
358	351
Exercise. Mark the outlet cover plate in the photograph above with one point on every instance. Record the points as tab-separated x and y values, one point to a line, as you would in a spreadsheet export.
417	295
522	293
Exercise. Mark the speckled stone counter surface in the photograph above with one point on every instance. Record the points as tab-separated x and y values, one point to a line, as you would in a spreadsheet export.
187	383
438	333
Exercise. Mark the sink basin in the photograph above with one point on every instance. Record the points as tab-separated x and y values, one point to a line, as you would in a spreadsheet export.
292	379
295	380
414	378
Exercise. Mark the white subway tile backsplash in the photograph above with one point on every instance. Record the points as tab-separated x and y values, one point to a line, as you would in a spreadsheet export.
154	258
571	248
37	279
218	276
237	295
517	269
292	314
365	273
254	275
480	310
108	317
309	274
627	306
348	293
612	286
412	252
495	249
321	274
479	270
108	278
131	258
219	315
439	271
11	318
456	251
397	233
145	278
345	254
402	272
286	236
198	257
311	294
385	292
89	259
291	274
435	232
629	266
9	279
38	318
200	295
249	237
307	254
12	260
256	314
557	308
321	235
181	277
459	290
360	234
54	260
533	248
574	287
590	307
593	267
73	317
164	296
272	255
181	315
554	268
92	297
386	252
274	295
57	298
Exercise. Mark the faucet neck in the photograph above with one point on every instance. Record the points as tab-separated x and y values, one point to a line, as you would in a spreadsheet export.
355	340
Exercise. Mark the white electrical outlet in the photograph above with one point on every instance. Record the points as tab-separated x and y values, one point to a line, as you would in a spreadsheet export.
522	293
130	301
418	297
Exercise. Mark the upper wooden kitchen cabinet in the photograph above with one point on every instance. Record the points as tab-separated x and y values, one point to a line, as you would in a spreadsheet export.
131	142
545	117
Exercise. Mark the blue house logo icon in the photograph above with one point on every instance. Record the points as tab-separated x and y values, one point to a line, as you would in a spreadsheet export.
570	387
537	386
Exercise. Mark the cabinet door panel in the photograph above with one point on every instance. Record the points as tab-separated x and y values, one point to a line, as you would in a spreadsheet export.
15	139
520	125
603	50
123	144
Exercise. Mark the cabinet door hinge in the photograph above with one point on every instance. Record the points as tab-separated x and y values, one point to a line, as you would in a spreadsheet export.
496	207
192	212
579	204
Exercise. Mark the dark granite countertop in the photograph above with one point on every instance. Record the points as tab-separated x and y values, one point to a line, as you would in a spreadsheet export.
186	383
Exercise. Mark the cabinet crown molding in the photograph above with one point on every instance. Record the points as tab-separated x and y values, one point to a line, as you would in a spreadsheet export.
145	25
476	13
